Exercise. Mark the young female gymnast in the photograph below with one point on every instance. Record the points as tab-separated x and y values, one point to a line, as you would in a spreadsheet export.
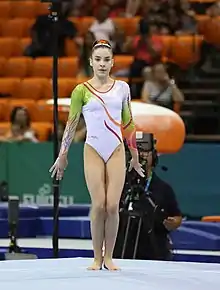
105	104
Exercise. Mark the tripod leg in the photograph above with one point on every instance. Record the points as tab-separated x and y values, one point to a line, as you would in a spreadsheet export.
126	237
137	238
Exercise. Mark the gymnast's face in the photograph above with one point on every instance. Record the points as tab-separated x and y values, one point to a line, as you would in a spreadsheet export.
101	61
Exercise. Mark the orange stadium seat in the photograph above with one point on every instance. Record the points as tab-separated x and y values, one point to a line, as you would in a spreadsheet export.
122	62
185	50
17	27
68	67
71	48
128	25
9	47
167	47
23	43
9	86
45	112
24	9
5	9
4	127
32	88
42	67
82	25
18	67
3	106
2	65
65	87
27	103
42	130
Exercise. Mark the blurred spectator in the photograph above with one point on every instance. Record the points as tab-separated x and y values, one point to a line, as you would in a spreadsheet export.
42	34
146	49
159	89
20	126
103	27
85	52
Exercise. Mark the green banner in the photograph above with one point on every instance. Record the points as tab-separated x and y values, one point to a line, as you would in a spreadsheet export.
193	173
3	161
29	175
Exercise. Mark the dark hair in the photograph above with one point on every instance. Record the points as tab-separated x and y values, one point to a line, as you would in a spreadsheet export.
14	112
102	43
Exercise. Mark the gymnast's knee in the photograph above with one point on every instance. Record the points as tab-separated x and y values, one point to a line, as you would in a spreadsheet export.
112	208
98	208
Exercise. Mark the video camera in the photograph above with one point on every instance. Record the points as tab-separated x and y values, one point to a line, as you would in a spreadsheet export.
135	200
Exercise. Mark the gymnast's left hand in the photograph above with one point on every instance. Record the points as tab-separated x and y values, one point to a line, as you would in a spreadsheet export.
137	166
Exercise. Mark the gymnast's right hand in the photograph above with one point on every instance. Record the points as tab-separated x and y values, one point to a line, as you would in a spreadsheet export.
58	167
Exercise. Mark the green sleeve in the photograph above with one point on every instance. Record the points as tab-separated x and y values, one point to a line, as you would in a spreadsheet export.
76	102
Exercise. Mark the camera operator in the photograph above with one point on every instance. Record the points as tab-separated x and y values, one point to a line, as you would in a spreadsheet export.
156	205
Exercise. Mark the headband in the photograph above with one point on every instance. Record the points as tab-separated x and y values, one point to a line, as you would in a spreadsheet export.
102	43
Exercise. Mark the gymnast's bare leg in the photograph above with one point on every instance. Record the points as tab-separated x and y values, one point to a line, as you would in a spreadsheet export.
94	168
115	177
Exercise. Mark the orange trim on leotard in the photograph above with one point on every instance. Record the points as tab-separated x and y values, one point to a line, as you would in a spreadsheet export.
104	106
100	91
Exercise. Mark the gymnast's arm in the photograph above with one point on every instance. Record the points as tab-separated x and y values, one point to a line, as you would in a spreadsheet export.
73	119
128	127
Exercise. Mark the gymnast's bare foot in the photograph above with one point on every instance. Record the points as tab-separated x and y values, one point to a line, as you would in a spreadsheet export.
109	265
96	265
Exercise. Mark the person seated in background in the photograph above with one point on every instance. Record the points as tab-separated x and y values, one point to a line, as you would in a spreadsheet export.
146	49
43	36
85	52
103	27
20	127
160	89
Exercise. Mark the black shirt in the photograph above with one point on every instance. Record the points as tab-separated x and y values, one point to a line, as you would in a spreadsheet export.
153	241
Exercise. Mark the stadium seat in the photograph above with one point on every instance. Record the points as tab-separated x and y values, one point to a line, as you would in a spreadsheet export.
28	103
5	9
3	106
4	127
18	67
128	25
32	88
71	48
68	67
167	47
185	50
23	43
24	9
9	86
9	47
42	67
82	25
17	27
65	87
45	112
122	62
2	65
42	130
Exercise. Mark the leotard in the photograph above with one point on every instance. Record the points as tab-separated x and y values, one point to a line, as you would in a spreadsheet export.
107	116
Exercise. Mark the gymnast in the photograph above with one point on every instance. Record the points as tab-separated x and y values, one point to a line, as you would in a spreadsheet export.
105	105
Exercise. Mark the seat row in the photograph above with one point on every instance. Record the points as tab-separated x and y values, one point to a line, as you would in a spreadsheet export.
20	26
183	50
